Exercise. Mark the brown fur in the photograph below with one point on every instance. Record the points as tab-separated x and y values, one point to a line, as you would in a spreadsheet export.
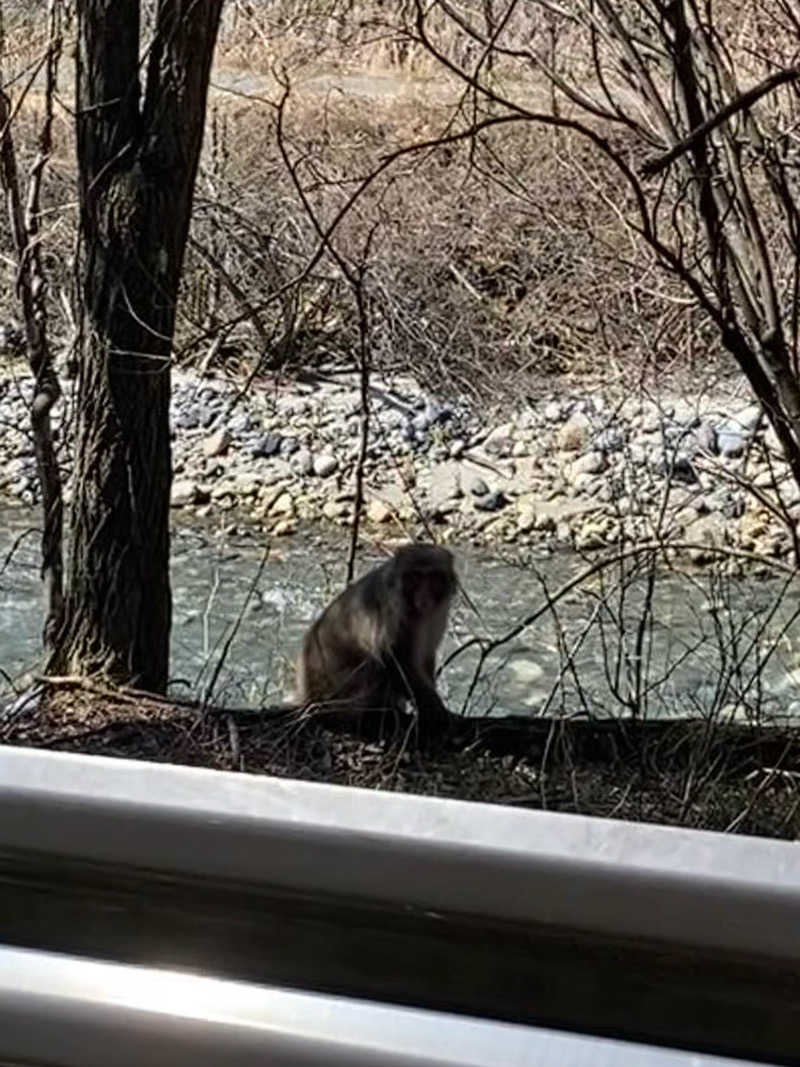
374	647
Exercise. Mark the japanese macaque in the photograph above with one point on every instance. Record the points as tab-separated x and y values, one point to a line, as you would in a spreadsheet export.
373	649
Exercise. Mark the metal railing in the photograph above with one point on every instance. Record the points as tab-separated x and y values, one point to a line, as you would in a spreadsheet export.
679	938
81	1013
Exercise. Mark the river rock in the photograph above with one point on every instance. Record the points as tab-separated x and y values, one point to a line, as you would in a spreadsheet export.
207	416
240	423
284	528
378	512
334	510
500	440
731	438
324	465
302	461
573	435
186	418
217	444
444	484
590	463
282	504
703	439
612	439
591	535
270	443
246	483
526	519
267	445
183	493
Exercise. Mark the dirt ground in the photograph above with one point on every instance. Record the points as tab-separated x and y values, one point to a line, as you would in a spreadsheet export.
733	795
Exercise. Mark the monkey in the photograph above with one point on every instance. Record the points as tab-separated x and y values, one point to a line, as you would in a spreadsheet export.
374	647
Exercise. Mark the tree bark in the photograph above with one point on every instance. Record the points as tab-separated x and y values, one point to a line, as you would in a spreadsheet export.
137	161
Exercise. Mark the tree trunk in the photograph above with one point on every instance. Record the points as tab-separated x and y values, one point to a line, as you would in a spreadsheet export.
137	160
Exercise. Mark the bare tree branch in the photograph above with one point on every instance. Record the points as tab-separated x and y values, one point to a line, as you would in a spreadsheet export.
745	100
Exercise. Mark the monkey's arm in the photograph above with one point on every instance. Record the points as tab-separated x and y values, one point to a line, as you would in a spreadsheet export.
433	717
428	702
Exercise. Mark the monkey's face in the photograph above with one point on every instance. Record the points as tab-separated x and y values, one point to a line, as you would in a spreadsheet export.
435	588
429	581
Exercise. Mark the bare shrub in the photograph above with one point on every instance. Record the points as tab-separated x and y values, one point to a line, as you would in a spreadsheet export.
481	274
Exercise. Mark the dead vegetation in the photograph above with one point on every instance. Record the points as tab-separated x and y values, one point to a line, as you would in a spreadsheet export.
734	790
493	264
483	277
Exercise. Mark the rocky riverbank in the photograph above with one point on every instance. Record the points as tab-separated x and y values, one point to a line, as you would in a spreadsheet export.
581	471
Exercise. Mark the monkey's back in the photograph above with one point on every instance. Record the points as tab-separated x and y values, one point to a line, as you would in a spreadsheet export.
343	645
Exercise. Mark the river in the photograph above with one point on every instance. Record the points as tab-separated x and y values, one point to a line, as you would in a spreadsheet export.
709	644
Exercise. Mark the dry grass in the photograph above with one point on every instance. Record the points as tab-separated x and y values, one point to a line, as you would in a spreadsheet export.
481	273
364	35
493	266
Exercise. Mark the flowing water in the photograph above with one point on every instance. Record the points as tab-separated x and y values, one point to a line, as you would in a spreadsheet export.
708	643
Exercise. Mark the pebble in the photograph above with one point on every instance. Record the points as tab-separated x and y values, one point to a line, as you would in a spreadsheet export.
526	520
217	444
609	440
281	505
573	435
731	438
589	463
268	445
325	465
302	461
183	492
378	512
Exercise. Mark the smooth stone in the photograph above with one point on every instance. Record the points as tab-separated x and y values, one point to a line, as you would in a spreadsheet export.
302	461
732	438
217	444
325	465
590	463
183	493
378	512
